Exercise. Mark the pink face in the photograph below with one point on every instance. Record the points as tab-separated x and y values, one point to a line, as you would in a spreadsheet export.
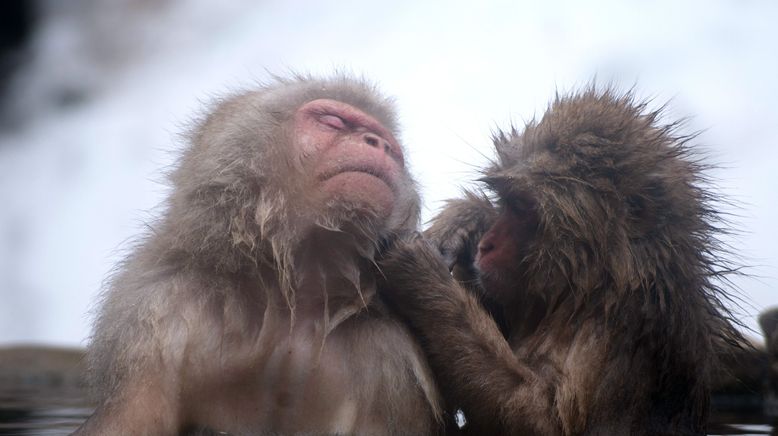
353	157
501	250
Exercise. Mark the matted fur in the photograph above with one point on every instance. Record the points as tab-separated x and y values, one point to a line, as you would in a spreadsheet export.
214	273
615	325
625	210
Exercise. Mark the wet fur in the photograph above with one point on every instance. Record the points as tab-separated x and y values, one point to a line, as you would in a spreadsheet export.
201	293
616	324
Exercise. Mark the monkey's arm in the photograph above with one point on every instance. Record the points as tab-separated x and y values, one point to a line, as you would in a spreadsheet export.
457	230
146	409
136	357
475	366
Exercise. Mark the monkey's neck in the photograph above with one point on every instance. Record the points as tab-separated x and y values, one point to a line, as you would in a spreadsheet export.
525	317
334	277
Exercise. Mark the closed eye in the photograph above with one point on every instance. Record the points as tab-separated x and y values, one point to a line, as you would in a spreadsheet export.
333	121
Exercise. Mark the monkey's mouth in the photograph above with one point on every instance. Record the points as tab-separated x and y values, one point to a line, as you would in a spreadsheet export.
378	173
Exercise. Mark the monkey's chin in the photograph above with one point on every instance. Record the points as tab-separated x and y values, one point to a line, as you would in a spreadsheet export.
497	281
360	190
496	287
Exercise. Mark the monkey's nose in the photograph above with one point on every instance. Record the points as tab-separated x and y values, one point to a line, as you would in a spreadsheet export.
377	141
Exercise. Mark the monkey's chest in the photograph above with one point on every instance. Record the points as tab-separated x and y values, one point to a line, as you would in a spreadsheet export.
306	381
354	382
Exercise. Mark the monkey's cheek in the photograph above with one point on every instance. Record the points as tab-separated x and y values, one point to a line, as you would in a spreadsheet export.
361	190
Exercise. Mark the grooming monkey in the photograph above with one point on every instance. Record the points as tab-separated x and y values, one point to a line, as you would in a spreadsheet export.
595	264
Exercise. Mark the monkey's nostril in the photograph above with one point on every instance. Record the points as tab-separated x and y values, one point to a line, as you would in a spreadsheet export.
371	140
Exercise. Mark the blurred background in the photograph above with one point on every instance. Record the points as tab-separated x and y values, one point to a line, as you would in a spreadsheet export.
95	93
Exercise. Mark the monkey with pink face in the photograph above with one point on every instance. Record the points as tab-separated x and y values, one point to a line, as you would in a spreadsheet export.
586	290
250	306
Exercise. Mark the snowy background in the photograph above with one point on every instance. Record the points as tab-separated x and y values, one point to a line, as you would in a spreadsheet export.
97	92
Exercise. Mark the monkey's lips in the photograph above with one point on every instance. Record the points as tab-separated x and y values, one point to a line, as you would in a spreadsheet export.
370	170
366	184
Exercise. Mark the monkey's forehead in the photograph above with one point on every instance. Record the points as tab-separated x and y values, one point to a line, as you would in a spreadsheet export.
287	94
603	127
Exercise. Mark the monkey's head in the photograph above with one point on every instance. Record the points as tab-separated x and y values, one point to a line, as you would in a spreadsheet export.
595	197
267	168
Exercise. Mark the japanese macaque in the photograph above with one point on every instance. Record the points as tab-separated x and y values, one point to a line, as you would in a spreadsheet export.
596	265
251	306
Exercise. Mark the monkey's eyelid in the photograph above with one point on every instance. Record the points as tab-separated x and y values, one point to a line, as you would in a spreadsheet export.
333	121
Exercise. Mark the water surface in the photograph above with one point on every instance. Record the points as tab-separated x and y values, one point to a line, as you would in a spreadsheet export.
42	393
59	410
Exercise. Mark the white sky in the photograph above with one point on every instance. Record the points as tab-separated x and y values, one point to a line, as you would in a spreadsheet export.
77	184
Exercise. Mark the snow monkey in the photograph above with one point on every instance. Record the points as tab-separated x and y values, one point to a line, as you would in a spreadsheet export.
585	296
250	307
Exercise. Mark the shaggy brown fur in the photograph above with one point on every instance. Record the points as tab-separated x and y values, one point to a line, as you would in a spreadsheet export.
611	306
218	318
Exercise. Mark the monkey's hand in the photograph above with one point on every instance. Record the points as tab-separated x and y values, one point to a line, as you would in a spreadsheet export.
459	226
470	357
410	267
